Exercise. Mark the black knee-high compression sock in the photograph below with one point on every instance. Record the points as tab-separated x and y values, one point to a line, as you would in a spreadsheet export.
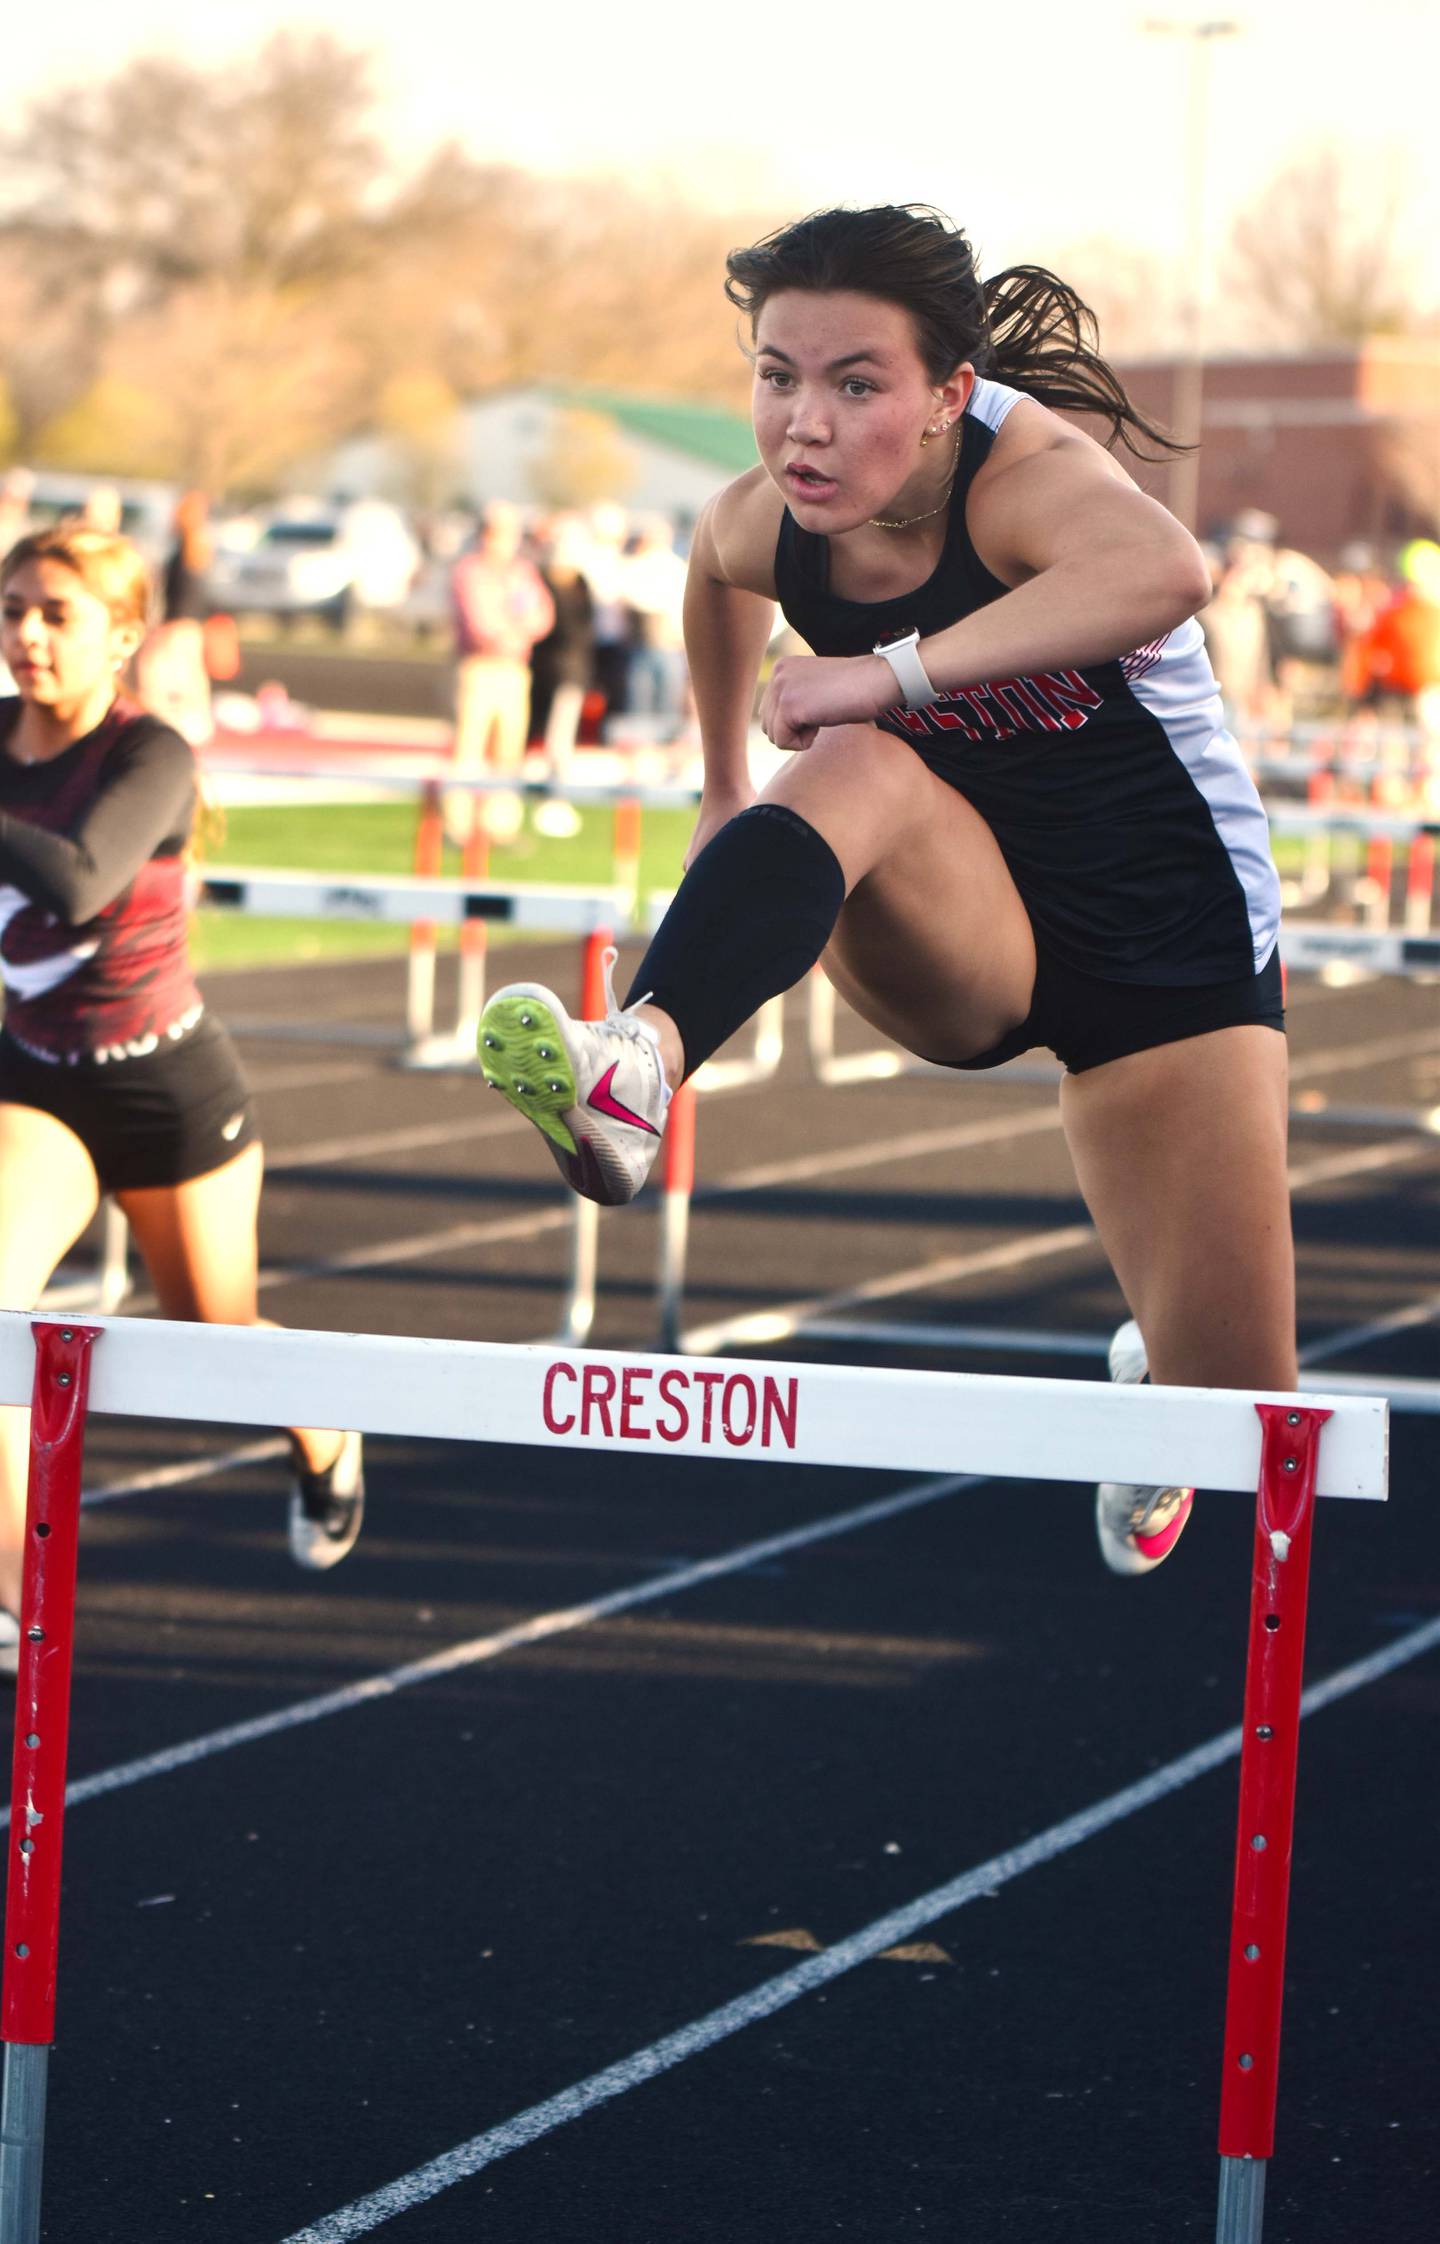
751	916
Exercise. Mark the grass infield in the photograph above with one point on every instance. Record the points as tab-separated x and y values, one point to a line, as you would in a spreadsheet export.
380	838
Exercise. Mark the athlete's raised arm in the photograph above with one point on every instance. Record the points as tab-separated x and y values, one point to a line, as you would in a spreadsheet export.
1095	567
142	800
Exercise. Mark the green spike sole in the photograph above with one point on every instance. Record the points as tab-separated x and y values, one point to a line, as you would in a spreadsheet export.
523	1054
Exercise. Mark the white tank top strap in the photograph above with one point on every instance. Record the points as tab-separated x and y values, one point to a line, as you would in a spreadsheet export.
991	401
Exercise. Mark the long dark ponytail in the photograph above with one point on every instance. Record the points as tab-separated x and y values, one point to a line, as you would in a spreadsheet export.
1023	326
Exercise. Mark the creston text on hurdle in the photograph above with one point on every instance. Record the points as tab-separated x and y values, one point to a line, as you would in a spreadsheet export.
634	1402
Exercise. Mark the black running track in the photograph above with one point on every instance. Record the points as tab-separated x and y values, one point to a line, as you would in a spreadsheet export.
301	1970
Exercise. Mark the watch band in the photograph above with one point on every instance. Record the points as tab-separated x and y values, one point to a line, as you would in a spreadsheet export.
903	656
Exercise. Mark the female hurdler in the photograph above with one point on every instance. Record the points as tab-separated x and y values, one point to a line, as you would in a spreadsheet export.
113	1076
1013	816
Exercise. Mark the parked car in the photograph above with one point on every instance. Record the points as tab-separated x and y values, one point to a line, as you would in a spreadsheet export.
305	558
146	511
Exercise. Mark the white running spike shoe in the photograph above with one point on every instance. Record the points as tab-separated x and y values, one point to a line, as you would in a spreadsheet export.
1137	1527
596	1090
327	1509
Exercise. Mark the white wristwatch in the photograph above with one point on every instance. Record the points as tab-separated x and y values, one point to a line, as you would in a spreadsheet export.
903	656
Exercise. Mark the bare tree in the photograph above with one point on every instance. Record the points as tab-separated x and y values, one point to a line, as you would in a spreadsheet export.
220	387
165	175
1131	291
219	271
1316	259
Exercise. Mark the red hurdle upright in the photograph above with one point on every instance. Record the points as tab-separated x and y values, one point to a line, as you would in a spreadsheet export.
37	1785
678	1182
428	859
1280	1574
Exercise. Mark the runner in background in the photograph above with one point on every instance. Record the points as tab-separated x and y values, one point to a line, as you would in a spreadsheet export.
1012	815
113	1075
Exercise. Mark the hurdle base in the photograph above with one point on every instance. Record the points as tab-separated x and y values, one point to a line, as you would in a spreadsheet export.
1242	2201
22	2140
448	1051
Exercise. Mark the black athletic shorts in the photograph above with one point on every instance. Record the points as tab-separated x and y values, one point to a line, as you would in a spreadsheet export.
1086	1022
160	1118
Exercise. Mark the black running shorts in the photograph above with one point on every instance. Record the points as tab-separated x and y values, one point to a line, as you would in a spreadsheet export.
1085	1021
160	1118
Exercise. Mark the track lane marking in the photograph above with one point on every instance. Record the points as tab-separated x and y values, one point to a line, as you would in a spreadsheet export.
535	1631
467	2159
764	1327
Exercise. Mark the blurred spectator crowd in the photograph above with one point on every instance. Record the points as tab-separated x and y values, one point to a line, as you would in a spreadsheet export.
1291	641
562	624
567	626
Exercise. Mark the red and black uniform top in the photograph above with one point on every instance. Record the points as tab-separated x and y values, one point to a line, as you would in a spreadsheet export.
94	938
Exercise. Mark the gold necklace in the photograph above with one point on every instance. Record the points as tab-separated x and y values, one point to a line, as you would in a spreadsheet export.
878	522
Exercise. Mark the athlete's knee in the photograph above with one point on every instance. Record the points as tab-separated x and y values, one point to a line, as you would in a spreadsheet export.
857	771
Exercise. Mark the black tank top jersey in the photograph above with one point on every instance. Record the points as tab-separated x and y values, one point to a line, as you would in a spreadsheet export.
94	933
1129	823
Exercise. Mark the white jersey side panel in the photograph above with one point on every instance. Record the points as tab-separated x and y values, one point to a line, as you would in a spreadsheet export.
1174	681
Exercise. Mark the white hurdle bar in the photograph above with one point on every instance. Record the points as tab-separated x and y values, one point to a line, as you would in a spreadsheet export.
551	907
1311	946
539	907
758	1413
1367	842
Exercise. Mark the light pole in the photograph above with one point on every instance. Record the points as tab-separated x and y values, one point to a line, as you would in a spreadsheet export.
1187	393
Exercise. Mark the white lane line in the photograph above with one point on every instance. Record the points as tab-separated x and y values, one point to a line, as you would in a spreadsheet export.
535	1631
263	1079
954	1138
642	2065
1363	1161
766	1327
189	1469
1337	1058
414	1248
422	1244
325	1152
1378	1328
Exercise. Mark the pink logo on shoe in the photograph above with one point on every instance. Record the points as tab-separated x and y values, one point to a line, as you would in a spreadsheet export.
1160	1546
604	1101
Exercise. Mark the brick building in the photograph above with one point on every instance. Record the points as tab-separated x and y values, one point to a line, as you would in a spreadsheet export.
1337	445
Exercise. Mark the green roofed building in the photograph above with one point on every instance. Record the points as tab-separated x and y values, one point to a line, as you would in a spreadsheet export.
554	446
